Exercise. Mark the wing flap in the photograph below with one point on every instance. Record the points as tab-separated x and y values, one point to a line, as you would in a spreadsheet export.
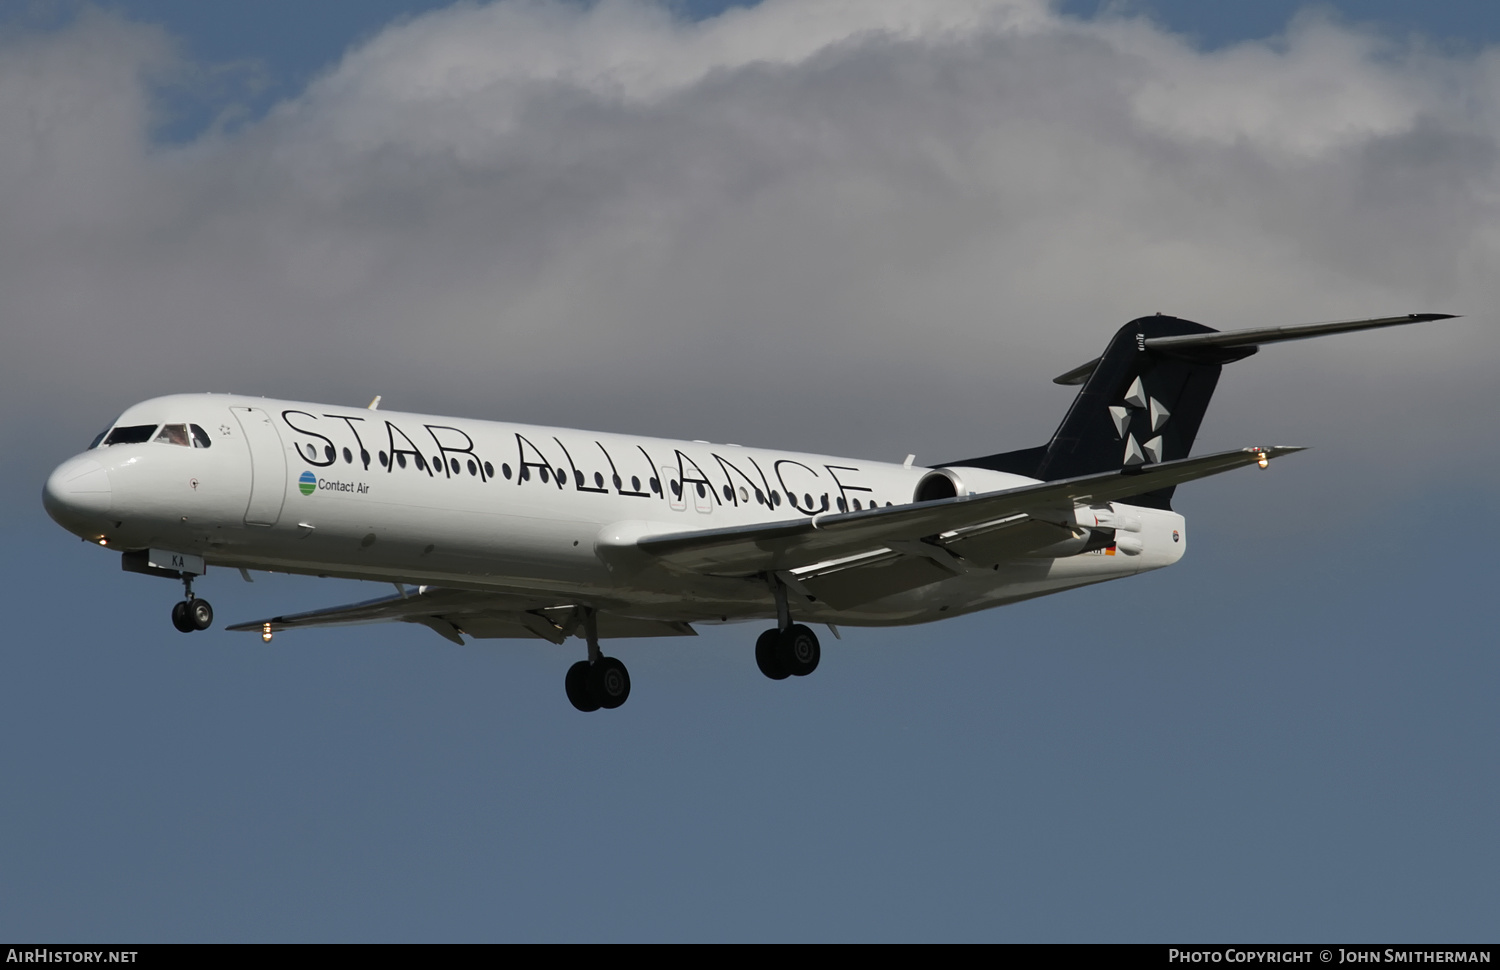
885	576
1018	538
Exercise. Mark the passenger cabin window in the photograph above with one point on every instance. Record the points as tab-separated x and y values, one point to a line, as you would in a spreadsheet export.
131	435
200	437
174	434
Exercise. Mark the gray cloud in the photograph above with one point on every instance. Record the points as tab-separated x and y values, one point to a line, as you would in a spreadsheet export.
868	228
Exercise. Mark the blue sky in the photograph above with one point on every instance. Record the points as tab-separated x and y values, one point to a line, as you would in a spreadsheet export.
1289	737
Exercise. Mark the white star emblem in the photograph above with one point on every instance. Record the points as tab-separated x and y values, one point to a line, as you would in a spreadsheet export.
1155	413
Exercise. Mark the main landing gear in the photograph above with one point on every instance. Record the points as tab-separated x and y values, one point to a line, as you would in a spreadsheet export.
790	649
793	652
599	681
192	613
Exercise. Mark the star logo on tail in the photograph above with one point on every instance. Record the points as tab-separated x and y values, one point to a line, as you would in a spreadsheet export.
1143	415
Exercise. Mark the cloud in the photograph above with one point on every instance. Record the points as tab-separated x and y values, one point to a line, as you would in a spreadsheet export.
870	228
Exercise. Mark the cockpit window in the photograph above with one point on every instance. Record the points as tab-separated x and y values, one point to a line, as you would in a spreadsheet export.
174	434
130	435
200	437
98	438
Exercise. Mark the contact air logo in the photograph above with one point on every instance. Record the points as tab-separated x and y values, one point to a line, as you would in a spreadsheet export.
308	483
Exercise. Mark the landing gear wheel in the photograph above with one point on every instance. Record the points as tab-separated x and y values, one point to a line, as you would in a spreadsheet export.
768	655
577	685
611	683
180	618
200	614
799	651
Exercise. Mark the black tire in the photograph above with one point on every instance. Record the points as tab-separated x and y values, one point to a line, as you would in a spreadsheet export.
799	651
611	683
200	614
768	655
577	685
180	618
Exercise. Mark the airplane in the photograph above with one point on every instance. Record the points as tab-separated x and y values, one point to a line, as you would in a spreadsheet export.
520	531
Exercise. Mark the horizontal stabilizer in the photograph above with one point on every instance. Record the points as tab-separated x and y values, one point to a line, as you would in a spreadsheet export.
1226	345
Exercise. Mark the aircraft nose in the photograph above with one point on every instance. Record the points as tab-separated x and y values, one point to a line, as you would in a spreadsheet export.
77	494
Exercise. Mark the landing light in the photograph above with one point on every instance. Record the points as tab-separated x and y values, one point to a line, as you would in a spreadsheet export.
1262	460
265	632
103	541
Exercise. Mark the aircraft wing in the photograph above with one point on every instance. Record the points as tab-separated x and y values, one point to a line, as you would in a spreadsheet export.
1046	509
451	612
844	557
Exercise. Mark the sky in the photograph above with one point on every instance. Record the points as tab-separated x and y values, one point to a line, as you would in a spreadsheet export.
868	229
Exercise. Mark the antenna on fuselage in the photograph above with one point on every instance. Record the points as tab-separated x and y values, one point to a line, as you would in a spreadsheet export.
374	405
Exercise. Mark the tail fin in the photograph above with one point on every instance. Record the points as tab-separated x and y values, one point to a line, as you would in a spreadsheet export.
1144	398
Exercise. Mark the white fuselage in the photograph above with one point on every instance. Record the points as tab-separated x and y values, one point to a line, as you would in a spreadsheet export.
514	509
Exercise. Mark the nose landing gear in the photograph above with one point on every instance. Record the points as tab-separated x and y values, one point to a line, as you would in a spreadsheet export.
192	613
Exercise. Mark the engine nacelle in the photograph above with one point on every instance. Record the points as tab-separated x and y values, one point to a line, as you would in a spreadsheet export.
939	483
947	482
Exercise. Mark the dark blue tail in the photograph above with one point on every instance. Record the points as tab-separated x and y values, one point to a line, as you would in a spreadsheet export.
1137	406
1144	398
